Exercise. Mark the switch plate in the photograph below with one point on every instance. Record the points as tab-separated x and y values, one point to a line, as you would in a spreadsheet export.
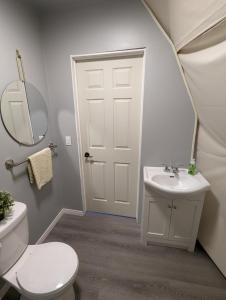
68	140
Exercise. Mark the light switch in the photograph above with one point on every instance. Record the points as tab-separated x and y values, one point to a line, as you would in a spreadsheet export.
68	140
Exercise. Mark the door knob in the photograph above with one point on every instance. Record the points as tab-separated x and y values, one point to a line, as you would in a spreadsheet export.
87	155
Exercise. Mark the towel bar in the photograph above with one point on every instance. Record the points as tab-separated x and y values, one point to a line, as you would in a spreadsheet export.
10	163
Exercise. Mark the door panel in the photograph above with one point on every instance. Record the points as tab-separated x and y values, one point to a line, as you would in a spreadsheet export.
95	79
109	101
98	171
159	214
121	123
121	182
183	219
122	77
96	128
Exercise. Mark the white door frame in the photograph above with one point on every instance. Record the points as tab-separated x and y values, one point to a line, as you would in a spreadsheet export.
84	57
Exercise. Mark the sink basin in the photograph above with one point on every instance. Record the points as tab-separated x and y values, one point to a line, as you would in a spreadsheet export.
170	183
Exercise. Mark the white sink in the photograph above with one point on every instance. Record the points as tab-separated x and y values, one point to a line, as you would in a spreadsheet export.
177	184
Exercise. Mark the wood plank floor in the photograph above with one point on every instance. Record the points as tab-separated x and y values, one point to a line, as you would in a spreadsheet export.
114	265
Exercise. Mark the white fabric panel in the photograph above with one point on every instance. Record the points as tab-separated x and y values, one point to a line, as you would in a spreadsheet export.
198	31
211	37
205	72
184	20
212	163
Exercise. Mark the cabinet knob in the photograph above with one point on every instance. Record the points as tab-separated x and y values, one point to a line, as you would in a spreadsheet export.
169	206
174	207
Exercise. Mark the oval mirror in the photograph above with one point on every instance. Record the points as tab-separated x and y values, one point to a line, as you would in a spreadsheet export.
24	112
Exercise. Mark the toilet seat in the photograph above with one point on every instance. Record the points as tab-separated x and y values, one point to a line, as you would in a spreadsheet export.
48	270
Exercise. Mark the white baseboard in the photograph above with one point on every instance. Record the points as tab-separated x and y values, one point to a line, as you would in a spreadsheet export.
50	227
63	211
73	212
56	220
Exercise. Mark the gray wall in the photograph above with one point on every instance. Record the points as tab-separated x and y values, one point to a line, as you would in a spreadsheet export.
19	29
104	26
107	26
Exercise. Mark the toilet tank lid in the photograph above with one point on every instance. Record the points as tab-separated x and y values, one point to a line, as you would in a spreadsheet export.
13	218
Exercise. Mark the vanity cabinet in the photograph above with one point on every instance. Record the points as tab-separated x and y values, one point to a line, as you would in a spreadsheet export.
171	221
183	219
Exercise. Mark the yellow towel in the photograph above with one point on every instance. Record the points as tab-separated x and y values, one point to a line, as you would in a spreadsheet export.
41	164
30	173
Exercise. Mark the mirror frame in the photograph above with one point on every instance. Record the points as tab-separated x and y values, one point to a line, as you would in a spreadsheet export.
47	115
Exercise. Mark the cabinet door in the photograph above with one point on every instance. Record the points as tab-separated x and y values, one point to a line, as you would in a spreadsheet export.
183	220
159	214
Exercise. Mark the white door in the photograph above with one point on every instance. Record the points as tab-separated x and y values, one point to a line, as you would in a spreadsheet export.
183	220
159	214
15	113
109	100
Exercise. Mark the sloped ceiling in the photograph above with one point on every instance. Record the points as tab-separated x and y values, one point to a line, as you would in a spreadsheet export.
213	36
185	20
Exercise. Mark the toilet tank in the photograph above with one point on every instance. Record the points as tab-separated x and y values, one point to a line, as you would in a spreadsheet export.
13	236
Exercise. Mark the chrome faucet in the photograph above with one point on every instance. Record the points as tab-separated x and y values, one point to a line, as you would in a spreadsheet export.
174	170
166	168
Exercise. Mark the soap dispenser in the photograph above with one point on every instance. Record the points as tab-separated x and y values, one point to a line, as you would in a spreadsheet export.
192	167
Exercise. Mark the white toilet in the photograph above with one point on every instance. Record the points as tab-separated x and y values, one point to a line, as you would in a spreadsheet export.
45	271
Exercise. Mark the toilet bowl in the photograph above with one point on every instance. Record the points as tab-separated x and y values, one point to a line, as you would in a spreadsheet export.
42	272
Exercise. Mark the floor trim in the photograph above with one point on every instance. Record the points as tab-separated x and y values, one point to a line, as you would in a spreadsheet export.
56	220
64	211
73	212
